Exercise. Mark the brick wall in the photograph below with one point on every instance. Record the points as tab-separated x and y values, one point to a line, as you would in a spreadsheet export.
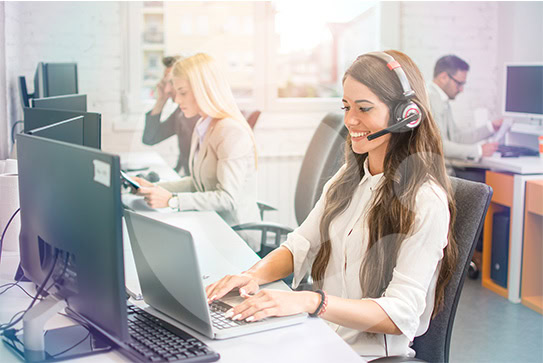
88	33
429	30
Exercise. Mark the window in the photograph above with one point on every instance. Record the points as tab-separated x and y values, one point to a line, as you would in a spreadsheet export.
278	54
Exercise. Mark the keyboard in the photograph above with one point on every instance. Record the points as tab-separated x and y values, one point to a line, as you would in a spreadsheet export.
514	151
155	340
218	309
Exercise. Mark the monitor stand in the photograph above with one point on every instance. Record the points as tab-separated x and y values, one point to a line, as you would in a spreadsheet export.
35	344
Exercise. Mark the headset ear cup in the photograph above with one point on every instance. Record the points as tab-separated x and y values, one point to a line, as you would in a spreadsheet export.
404	110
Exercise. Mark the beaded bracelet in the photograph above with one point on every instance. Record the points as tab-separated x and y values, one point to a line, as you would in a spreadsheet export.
324	300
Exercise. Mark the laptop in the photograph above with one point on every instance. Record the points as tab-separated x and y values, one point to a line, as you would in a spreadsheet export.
172	281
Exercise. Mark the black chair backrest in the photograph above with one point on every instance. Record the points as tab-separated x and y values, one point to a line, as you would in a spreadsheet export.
472	200
323	158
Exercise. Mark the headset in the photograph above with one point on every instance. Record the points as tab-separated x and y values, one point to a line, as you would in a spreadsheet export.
406	114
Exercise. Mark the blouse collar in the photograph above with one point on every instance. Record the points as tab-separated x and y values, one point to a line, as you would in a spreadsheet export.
368	177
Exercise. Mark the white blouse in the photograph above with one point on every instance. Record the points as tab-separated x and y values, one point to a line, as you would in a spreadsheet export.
409	297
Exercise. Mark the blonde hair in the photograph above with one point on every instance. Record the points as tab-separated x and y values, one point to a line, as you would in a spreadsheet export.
211	89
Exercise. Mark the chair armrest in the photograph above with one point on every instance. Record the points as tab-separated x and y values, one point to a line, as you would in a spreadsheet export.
263	207
396	359
265	227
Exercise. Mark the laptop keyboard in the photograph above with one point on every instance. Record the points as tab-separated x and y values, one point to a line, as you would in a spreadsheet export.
155	340
218	309
510	150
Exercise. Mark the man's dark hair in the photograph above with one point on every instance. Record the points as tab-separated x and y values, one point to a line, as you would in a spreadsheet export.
170	61
450	64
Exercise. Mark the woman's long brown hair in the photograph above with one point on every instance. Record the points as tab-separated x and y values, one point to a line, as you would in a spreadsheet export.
412	159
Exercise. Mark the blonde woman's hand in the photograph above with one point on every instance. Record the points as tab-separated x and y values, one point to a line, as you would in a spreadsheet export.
245	282
143	182
154	196
268	303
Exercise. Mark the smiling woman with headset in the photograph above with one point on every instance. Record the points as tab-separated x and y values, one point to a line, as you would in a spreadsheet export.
378	244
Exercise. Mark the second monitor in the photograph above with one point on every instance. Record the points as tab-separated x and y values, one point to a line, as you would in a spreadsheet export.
92	125
69	102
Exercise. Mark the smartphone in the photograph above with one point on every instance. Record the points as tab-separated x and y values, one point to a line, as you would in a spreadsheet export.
130	181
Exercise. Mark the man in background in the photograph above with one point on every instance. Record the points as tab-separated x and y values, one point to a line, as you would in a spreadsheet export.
464	143
450	74
176	124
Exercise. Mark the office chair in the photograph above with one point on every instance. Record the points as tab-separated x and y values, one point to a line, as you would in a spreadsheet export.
472	200
323	158
251	117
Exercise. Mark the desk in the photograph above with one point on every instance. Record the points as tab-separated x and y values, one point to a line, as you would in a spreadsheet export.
508	179
520	165
311	341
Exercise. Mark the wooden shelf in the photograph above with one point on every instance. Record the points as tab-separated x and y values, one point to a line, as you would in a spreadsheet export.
532	269
502	198
534	303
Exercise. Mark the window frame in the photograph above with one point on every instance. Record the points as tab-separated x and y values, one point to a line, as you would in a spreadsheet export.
264	88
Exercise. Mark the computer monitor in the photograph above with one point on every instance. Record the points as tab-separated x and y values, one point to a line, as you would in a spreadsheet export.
55	79
70	130
524	90
92	125
23	92
71	228
70	103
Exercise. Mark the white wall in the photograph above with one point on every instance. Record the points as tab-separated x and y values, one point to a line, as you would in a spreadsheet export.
4	125
469	30
520	32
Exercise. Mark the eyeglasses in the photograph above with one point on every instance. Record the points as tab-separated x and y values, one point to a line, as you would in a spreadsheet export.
458	83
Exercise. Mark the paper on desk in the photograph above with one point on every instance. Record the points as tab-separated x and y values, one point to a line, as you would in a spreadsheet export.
131	279
506	125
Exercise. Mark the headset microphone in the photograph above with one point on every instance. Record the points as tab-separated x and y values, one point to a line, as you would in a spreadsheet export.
406	114
414	117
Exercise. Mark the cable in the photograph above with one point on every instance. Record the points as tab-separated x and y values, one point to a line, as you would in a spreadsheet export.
20	287
61	274
5	229
3	327
73	346
10	284
13	131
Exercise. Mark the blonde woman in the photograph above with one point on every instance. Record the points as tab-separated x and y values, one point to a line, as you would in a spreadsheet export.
379	243
223	159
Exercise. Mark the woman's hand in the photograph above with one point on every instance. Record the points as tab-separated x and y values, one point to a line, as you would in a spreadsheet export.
245	282
143	182
274	303
156	197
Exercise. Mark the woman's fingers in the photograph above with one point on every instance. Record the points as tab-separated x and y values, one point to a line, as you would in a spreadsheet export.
222	287
142	182
228	283
145	191
249	308
249	289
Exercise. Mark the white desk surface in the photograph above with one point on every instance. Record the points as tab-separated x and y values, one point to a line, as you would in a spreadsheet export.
520	165
311	341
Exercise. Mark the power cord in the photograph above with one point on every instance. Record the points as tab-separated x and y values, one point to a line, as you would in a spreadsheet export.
6	228
15	284
12	322
13	131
